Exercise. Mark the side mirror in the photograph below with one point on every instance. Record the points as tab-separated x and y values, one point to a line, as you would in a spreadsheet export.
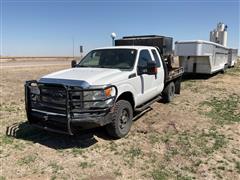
73	63
151	68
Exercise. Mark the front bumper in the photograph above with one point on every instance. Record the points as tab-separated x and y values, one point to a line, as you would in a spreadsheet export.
60	124
69	120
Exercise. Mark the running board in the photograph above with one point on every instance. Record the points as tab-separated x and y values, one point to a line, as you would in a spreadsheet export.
145	106
140	114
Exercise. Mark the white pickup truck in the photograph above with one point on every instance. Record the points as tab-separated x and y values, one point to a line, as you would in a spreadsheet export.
106	88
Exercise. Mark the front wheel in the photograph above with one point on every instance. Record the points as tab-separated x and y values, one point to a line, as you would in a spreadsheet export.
122	119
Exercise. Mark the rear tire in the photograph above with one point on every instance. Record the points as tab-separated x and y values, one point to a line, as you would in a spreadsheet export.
122	119
168	92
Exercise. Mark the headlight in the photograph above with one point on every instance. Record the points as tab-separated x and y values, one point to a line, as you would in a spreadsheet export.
103	104
98	95
93	95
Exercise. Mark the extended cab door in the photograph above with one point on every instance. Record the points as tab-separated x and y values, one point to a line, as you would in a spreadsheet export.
149	87
159	81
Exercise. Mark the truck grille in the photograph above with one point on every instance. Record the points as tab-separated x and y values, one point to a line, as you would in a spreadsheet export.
61	100
53	95
56	99
51	99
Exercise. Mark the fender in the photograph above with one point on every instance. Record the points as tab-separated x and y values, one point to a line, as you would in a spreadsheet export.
126	87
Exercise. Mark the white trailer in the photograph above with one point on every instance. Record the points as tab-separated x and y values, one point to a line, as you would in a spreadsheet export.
232	57
203	57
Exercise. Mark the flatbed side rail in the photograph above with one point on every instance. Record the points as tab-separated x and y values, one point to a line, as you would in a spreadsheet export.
175	73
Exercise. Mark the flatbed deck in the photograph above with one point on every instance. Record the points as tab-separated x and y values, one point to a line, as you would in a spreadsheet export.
174	73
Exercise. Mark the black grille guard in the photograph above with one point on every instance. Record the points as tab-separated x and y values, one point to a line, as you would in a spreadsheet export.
69	111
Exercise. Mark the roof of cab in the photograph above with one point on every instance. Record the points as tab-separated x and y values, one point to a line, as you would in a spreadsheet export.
126	47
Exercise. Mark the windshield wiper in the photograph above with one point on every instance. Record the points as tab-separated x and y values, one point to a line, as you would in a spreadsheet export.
83	66
101	66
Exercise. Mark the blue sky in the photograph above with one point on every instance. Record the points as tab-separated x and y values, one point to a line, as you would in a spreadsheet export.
47	27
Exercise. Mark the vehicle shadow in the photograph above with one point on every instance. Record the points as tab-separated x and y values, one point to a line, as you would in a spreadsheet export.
187	77
83	139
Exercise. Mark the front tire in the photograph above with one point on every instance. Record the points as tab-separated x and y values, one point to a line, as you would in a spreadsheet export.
122	119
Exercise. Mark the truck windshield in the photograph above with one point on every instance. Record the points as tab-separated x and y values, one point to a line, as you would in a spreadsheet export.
110	58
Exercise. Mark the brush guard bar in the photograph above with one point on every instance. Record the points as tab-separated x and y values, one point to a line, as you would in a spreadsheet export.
64	105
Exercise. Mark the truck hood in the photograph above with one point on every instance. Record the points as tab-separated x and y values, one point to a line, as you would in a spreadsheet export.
86	76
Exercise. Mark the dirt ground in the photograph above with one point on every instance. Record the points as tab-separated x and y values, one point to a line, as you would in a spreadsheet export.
197	136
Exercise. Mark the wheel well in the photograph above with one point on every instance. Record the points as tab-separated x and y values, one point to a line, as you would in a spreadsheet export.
128	96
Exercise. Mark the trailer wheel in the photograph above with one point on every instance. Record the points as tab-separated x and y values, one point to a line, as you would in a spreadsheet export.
122	120
168	92
224	69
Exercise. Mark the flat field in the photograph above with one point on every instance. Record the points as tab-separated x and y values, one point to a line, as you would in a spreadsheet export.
197	136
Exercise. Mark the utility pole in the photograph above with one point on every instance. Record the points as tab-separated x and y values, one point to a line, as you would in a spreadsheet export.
73	47
81	51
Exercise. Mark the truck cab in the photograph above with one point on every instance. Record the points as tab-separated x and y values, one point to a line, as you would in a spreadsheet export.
105	88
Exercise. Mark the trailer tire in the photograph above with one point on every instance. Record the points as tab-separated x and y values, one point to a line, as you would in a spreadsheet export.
224	69
122	119
168	92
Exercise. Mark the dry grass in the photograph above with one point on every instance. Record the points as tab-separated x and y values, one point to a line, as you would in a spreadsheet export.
180	140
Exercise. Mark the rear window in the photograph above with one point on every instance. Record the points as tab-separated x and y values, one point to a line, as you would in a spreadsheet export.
144	58
156	58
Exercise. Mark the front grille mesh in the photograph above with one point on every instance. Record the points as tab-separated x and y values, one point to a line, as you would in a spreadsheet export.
67	101
51	99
